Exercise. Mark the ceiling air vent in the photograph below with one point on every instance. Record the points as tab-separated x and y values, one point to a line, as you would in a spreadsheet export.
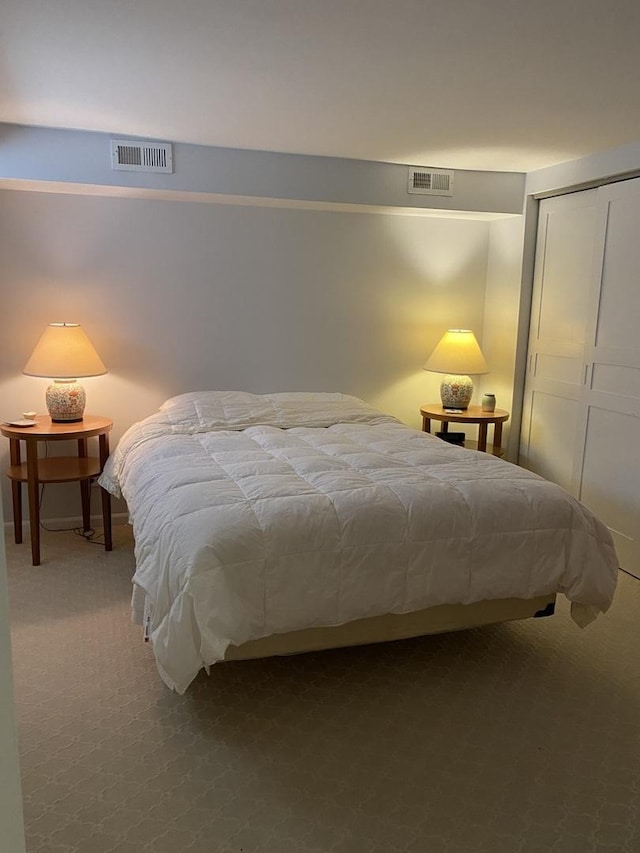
424	181
135	155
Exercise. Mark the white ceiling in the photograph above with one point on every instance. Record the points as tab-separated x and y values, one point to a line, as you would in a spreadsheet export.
475	84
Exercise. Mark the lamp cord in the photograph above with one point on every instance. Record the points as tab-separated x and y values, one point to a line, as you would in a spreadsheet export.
91	536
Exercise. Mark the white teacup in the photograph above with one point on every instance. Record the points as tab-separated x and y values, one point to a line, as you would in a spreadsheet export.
29	416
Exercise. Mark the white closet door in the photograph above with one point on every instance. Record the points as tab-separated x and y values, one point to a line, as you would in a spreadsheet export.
559	323
607	459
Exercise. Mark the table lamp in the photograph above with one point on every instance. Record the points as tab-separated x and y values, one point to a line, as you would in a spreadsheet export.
457	355
64	353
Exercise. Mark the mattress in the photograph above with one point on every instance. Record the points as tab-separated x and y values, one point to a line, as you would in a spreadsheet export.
263	515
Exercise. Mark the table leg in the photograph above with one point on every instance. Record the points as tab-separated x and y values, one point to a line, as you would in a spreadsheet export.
497	439
106	497
85	489
444	426
16	492
426	424
34	503
482	436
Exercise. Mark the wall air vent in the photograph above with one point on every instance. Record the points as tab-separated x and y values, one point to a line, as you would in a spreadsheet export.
135	155
423	181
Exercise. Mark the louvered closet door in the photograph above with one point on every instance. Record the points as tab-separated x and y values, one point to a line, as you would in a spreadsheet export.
559	323
607	459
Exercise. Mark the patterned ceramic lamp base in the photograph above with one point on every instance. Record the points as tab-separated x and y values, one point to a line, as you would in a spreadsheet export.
66	399
456	391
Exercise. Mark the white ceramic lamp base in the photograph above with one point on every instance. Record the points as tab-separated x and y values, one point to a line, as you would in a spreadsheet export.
66	400
456	391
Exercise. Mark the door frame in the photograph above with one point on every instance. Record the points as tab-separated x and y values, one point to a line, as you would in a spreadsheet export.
11	811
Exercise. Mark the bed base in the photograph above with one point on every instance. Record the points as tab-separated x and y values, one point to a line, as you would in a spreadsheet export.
378	629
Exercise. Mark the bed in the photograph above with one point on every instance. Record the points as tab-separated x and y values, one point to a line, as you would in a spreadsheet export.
281	523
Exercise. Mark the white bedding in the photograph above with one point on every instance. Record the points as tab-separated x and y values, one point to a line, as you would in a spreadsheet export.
256	515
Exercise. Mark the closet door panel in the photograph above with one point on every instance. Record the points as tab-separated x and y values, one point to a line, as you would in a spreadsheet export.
581	412
550	446
621	380
607	464
610	481
619	309
559	322
558	368
563	303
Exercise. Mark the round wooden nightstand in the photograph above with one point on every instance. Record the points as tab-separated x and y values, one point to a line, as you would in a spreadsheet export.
472	415
57	469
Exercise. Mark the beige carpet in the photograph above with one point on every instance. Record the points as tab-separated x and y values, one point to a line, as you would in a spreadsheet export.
521	738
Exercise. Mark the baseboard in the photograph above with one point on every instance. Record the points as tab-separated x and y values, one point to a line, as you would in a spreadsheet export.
71	522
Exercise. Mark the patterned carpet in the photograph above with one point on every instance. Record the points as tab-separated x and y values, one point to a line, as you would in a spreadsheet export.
520	738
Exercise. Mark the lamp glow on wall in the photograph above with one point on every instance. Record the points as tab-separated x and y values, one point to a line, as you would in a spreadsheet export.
64	353
457	355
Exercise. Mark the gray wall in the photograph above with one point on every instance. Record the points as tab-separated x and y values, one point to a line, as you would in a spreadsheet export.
68	157
181	295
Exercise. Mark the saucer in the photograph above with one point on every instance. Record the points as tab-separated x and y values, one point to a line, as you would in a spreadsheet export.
22	422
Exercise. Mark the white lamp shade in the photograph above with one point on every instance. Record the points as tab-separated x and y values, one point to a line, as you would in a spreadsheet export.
457	352
64	352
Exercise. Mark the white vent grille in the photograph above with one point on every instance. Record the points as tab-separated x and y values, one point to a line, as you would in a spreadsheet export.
134	155
424	181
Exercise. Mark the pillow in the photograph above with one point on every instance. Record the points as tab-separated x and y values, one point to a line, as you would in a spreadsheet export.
207	410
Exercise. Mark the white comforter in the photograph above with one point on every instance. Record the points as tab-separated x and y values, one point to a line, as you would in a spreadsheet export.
256	515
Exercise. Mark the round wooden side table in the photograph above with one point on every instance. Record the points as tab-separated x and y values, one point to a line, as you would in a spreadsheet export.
57	469
472	415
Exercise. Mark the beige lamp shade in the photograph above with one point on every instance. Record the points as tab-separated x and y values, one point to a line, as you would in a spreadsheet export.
64	352
457	355
458	351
